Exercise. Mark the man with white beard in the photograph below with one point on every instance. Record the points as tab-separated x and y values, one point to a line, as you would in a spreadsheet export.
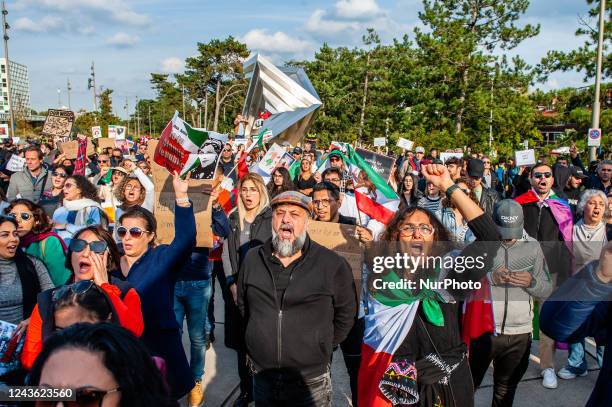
298	300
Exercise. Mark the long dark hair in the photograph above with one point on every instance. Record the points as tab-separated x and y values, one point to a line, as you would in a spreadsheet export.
415	194
287	185
125	357
88	190
42	223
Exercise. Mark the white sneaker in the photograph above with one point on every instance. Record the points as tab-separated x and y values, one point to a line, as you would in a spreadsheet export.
549	378
569	374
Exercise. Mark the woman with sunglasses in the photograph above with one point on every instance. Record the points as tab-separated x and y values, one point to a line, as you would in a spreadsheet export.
92	256
452	219
80	208
135	190
153	269
51	199
36	238
419	326
22	278
104	365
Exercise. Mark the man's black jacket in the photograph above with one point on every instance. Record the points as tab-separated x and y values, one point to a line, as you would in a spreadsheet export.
297	332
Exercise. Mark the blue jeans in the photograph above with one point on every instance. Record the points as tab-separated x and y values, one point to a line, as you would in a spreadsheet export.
576	356
191	300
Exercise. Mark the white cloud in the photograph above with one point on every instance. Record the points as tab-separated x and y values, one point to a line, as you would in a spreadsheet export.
358	9
172	65
122	40
277	42
46	24
115	10
321	24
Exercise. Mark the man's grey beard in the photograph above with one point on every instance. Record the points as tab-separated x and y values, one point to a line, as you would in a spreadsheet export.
287	248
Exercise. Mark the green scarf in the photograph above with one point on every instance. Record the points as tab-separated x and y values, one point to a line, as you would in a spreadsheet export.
394	297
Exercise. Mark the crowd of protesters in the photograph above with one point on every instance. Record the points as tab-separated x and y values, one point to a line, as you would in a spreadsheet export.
83	277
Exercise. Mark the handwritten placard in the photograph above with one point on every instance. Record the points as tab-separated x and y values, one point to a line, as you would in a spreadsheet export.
405	143
16	163
70	149
199	193
380	141
106	143
58	123
525	157
341	239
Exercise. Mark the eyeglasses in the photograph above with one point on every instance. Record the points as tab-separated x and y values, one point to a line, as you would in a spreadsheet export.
333	179
83	398
96	246
538	175
104	161
322	202
131	187
135	232
119	173
68	185
227	151
23	215
76	288
59	174
408	230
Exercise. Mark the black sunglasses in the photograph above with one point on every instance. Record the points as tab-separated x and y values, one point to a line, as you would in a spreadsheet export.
59	174
97	246
76	288
82	398
22	215
538	175
135	232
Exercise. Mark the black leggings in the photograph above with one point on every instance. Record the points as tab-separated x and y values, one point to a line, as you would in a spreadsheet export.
510	356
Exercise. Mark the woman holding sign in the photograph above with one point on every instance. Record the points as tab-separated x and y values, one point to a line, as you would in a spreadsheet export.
152	269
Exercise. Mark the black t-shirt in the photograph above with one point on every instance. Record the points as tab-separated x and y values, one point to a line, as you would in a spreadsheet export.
282	276
301	183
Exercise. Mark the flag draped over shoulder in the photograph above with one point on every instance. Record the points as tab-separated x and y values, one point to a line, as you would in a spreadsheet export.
380	204
560	210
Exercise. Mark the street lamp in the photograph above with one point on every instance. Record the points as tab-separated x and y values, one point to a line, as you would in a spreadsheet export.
5	27
596	105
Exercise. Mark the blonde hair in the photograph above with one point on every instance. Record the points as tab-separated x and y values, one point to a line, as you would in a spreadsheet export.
264	200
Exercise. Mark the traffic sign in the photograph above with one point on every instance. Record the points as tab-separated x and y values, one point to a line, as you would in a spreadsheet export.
594	139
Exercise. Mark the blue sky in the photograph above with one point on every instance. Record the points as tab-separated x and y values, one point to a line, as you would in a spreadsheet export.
129	39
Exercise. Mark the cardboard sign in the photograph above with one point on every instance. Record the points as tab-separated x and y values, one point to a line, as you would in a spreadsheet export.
16	163
379	162
445	156
58	123
341	239
106	143
165	201
525	157
405	143
380	141
4	131
271	159
96	132
70	149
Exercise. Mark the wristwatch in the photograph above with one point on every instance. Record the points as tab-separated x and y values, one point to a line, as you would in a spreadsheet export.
450	190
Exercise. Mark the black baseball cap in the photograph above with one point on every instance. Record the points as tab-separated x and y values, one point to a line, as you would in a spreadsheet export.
578	173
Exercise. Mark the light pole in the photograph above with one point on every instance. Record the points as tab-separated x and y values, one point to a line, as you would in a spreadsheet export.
69	88
5	27
596	105
59	98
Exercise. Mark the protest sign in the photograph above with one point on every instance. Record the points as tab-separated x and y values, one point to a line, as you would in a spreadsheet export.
525	157
446	155
341	239
16	163
183	149
116	132
405	143
4	131
380	141
70	149
271	159
199	194
96	132
58	123
286	161
379	162
106	143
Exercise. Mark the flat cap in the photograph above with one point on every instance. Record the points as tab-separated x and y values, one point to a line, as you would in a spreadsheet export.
291	198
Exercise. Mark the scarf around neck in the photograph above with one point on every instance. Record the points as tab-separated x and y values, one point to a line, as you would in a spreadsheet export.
79	204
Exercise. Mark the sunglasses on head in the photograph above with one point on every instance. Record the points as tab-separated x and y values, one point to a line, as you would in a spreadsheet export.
22	215
538	175
97	246
135	232
59	174
83	398
80	287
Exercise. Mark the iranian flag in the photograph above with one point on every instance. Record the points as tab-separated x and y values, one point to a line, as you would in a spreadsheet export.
178	146
264	137
380	204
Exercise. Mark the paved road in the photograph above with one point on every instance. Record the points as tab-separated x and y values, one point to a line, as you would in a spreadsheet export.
221	378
